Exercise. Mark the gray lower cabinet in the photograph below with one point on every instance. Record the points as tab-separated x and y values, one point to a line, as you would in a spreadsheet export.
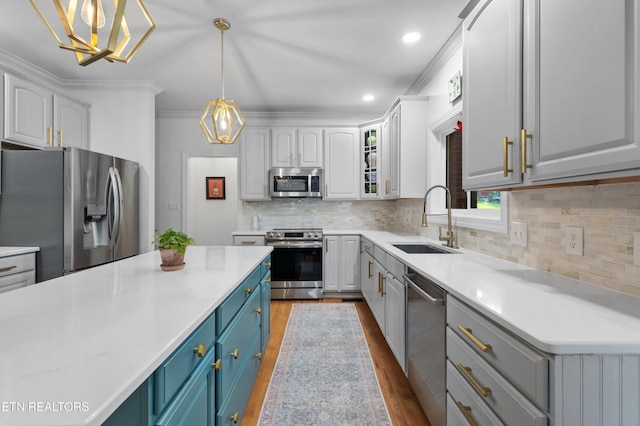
208	379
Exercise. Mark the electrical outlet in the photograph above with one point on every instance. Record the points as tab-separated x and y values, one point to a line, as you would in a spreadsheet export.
519	233
574	240
174	207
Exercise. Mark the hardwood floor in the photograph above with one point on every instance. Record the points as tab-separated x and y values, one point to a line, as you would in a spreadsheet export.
402	403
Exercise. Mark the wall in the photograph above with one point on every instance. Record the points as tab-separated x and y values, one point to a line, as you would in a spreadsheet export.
122	123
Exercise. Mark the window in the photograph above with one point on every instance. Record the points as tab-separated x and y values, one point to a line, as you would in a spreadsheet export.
486	210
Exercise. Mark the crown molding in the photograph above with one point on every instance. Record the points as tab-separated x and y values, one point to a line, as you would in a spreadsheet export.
17	65
450	47
132	85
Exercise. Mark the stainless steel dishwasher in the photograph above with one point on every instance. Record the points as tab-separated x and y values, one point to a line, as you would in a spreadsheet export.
426	356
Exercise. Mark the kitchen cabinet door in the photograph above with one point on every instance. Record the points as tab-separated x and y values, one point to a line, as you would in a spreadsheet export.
283	147
341	164
582	86
492	70
395	318
254	163
367	280
377	304
371	162
350	263
28	112
71	127
331	263
310	145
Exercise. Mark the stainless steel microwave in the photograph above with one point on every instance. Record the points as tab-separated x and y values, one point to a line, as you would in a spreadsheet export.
295	183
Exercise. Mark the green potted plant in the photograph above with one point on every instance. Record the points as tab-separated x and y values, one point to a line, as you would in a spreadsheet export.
172	245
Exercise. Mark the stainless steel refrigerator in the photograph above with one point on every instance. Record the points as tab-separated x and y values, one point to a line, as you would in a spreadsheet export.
79	207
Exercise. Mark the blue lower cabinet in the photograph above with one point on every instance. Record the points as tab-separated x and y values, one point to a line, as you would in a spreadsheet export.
266	310
229	308
233	345
134	411
232	409
193	405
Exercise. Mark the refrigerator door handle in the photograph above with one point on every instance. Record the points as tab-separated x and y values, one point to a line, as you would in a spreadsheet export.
113	193
120	207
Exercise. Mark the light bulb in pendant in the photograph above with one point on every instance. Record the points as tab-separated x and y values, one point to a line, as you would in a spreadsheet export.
87	13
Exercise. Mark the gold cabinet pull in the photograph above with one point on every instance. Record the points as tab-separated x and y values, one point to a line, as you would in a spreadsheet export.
249	290
369	269
60	136
505	155
466	412
268	265
200	350
217	365
8	268
466	372
259	355
50	129
234	354
379	283
234	418
467	332
387	187
382	292
268	280
259	310
523	137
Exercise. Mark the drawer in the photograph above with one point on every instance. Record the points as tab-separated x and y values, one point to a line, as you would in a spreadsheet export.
265	267
232	304
232	409
509	404
173	373
380	255
366	246
232	347
14	264
192	404
395	267
463	406
15	281
523	366
248	240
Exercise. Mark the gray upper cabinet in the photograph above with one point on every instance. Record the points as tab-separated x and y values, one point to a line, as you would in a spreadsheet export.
37	116
551	92
296	147
254	163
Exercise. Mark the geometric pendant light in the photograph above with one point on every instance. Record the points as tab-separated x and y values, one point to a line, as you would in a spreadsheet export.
108	43
226	118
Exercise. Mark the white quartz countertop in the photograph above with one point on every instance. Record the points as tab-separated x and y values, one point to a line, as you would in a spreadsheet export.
556	314
72	349
13	251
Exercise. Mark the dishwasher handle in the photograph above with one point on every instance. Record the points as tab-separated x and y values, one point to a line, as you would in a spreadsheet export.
433	300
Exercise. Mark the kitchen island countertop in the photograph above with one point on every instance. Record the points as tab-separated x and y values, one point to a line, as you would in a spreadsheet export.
75	347
14	251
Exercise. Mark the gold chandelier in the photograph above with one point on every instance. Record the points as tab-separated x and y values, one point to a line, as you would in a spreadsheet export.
99	44
226	117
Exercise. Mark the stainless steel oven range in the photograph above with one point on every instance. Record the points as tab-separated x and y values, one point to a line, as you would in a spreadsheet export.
296	263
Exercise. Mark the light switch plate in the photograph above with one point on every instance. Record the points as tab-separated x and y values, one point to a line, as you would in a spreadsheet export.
574	240
519	233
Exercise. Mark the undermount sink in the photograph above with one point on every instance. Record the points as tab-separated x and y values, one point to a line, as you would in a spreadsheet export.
421	248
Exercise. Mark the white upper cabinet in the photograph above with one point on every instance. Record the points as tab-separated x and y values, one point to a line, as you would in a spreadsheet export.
581	87
37	116
492	85
551	92
254	163
296	147
341	153
370	161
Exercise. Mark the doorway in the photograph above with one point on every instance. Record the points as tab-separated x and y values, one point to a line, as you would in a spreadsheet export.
212	215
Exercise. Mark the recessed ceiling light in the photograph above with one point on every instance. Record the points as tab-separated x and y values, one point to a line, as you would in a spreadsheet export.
411	37
368	98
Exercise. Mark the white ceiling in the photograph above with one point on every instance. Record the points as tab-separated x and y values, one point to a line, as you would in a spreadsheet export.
280	55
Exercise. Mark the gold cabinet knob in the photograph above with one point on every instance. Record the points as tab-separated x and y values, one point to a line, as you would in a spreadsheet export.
200	350
259	355
249	290
234	418
234	354
268	280
217	365
259	310
268	265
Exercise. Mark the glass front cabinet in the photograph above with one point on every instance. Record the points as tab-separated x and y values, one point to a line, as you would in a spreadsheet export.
370	161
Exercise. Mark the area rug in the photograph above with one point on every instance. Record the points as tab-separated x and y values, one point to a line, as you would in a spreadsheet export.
324	374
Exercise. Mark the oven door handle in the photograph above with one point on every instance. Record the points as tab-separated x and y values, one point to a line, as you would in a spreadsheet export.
421	292
295	244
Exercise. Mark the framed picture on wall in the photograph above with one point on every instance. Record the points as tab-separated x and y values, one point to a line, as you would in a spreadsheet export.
215	188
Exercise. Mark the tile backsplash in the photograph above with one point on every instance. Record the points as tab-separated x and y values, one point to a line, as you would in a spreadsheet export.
609	215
